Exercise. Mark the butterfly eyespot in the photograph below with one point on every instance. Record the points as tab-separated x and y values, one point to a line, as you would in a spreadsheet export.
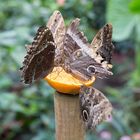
78	53
109	116
45	30
102	61
91	69
28	80
88	100
44	43
97	53
39	60
21	68
99	94
38	36
85	115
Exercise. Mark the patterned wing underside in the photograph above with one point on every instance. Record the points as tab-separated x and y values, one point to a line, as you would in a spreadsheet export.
102	45
74	40
80	57
40	56
85	67
94	107
57	26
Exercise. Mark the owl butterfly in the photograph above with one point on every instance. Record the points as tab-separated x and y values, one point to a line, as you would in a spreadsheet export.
75	54
84	60
42	55
39	60
57	26
94	107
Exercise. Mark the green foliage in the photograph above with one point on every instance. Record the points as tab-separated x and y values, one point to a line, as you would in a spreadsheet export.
125	17
25	112
135	6
82	10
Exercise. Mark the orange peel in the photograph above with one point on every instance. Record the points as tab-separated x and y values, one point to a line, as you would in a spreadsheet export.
64	82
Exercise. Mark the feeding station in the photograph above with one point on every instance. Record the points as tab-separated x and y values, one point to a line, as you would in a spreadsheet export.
79	60
69	125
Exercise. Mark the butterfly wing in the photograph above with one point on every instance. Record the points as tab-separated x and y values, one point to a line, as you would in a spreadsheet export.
75	40
57	26
94	106
85	67
79	56
42	36
39	60
103	47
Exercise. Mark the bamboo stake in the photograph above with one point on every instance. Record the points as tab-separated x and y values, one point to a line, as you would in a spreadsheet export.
67	117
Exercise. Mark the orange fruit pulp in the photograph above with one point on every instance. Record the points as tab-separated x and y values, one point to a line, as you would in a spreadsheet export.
64	82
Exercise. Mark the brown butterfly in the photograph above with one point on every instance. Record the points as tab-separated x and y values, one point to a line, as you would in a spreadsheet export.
94	107
84	60
39	60
73	51
42	55
103	47
57	26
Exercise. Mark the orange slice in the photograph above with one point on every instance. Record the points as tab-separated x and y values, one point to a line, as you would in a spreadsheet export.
64	82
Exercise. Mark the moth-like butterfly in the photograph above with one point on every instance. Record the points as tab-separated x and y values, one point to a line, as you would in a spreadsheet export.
84	60
75	54
57	26
94	106
46	50
39	60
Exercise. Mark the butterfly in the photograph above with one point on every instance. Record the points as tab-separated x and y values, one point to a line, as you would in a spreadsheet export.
39	60
75	54
94	107
57	26
84	60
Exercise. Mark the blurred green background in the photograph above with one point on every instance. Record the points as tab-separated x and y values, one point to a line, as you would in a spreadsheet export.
26	112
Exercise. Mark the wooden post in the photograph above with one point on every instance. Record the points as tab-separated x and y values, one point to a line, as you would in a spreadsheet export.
67	117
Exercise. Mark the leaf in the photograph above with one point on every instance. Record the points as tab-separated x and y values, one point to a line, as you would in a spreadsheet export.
134	6
8	101
123	20
5	81
138	30
48	121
